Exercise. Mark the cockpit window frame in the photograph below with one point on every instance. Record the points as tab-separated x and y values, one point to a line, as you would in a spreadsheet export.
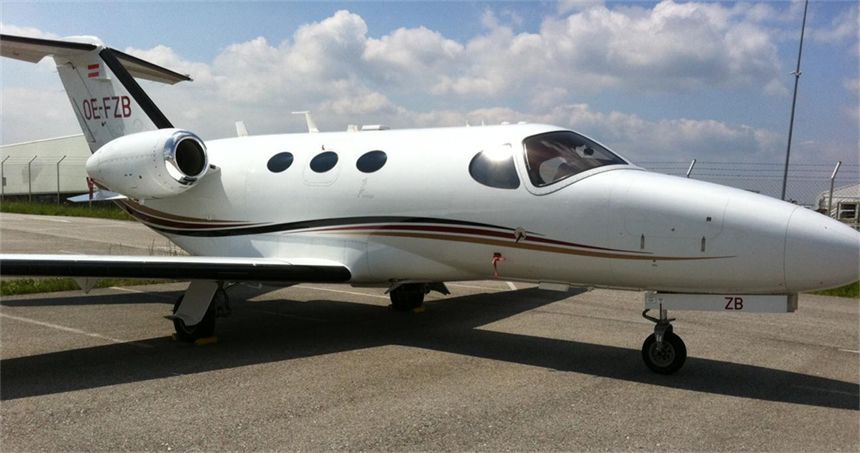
570	179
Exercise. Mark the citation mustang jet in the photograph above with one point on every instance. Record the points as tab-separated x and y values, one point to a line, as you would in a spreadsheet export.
411	209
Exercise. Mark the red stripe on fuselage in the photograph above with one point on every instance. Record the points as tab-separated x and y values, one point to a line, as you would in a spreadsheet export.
472	231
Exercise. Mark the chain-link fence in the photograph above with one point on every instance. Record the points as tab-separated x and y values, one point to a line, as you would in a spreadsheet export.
807	184
43	175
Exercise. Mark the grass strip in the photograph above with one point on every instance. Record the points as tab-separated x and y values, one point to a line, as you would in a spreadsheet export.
852	290
103	210
47	285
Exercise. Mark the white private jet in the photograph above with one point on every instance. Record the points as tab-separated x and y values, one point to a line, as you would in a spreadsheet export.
412	209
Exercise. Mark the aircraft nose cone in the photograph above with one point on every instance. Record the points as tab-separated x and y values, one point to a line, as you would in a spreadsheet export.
820	252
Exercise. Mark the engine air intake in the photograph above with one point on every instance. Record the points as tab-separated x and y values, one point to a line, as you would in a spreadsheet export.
190	157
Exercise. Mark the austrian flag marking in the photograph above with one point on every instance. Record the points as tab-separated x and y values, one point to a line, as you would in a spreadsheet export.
93	70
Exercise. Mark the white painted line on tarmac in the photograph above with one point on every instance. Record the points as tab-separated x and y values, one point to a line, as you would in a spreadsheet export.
354	293
42	218
461	285
512	286
73	330
819	389
850	350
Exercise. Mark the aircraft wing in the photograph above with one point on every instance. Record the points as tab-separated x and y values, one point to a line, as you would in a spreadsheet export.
175	267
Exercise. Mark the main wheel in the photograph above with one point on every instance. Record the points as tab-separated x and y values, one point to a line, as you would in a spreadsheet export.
407	297
205	328
666	357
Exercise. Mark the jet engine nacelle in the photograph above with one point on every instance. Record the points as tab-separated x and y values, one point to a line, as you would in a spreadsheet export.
154	164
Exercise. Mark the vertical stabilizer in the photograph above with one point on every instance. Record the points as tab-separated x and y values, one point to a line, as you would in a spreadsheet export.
99	81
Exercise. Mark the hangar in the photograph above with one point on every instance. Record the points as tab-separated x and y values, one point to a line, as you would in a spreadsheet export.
40	167
845	204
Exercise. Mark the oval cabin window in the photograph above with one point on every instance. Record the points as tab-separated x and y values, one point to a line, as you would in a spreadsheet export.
371	161
324	162
495	168
280	162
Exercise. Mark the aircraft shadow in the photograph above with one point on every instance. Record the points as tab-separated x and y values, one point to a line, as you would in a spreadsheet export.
166	297
145	296
304	329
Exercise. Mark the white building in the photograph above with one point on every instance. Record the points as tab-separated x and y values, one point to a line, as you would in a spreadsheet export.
844	206
44	166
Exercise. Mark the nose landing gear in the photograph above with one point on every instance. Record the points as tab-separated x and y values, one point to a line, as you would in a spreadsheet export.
663	351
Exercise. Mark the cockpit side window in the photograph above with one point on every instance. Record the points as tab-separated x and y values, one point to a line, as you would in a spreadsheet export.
495	168
554	156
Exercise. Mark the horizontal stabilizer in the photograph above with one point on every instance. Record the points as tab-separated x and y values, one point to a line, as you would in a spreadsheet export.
149	71
34	49
176	267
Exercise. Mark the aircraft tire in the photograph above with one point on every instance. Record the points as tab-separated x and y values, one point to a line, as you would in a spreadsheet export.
407	297
204	329
666	358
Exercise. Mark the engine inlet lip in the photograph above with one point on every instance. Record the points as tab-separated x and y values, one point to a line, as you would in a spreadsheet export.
171	145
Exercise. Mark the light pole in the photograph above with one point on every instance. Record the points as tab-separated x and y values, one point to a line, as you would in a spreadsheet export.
794	101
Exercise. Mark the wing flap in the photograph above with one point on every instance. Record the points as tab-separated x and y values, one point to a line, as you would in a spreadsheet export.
175	267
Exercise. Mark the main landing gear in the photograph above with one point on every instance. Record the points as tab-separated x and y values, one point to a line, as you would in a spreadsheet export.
194	312
663	351
410	296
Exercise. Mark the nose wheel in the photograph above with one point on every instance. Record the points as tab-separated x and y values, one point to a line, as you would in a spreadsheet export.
663	351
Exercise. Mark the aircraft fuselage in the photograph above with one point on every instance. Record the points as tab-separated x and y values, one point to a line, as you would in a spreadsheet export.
423	217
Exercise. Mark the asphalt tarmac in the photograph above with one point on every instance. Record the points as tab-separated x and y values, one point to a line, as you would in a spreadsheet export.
331	367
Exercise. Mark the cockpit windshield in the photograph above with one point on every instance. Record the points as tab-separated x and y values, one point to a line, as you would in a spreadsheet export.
554	156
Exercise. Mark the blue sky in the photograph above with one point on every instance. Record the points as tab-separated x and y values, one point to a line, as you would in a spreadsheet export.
654	80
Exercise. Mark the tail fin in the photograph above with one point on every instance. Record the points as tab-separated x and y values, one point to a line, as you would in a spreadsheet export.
100	83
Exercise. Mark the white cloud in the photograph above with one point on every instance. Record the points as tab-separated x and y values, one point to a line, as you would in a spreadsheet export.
25	114
9	29
641	139
410	56
418	77
852	85
168	58
568	6
843	27
668	48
